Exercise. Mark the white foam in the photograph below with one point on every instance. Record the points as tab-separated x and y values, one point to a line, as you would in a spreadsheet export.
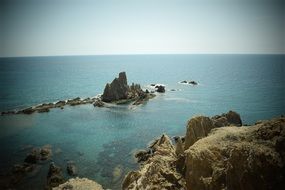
180	100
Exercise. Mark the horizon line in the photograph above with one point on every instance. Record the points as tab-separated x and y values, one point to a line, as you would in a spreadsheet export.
130	54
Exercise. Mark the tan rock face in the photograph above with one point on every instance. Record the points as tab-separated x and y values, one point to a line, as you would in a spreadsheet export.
198	127
214	157
79	184
238	158
159	171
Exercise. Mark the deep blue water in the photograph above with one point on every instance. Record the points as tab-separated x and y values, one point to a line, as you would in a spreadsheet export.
100	139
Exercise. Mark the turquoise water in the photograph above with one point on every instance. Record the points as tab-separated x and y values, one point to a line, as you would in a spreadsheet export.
100	139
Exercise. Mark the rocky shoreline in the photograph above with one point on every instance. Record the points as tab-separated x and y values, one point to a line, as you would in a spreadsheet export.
117	92
216	153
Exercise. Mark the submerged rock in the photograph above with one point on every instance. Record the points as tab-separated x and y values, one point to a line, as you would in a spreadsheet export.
71	168
39	154
79	184
55	176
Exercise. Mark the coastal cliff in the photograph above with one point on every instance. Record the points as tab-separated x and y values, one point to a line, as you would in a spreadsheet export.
216	153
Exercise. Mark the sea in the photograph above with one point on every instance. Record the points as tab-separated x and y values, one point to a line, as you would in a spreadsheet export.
102	141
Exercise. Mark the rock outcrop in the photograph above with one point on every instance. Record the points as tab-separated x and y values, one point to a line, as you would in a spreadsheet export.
39	154
79	184
199	127
192	82
117	89
119	92
158	171
226	119
160	88
239	158
215	157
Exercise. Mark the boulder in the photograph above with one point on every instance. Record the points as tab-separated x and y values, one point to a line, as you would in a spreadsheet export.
233	118
227	119
33	157
79	184
98	103
71	168
39	154
55	176
160	88
192	82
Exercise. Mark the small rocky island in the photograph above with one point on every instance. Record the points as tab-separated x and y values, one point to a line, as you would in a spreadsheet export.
117	92
191	82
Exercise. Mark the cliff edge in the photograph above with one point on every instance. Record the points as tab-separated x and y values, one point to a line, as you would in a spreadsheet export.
216	153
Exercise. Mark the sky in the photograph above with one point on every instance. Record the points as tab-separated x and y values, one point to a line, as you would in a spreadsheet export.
93	27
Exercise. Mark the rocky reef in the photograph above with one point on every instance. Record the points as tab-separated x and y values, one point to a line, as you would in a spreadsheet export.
45	107
119	92
31	166
216	153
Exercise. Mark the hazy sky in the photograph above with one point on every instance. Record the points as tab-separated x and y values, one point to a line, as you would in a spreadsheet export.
78	27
